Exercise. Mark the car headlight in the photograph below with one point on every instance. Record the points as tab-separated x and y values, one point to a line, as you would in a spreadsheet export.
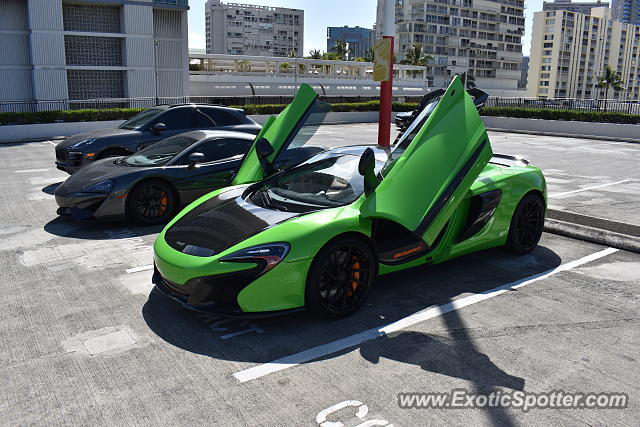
101	187
81	144
266	256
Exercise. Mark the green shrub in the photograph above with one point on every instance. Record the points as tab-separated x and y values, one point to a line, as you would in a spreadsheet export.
569	115
89	115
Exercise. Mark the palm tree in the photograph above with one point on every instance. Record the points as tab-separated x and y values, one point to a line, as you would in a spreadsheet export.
609	79
370	55
285	67
315	54
341	49
468	80
416	56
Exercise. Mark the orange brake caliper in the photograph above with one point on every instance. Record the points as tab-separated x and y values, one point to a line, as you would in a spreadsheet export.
356	276
164	201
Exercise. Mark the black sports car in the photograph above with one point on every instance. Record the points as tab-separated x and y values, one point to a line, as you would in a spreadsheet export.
151	185
146	128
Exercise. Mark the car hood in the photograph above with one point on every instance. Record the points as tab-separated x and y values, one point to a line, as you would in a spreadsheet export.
102	133
94	173
220	222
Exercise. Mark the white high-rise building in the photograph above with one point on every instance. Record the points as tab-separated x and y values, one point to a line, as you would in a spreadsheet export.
481	37
69	50
245	29
569	50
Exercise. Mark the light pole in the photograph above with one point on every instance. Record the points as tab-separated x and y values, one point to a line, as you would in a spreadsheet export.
386	86
155	65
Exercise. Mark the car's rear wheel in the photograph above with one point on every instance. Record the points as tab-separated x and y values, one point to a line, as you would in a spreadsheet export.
340	277
152	202
526	224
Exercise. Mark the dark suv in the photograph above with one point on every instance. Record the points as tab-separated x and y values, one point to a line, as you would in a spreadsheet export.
144	129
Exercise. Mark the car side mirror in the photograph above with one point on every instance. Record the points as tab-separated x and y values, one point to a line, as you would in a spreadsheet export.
194	159
366	168
263	148
158	127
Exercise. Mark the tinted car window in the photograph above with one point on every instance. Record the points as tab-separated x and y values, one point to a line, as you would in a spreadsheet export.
201	121
160	153
141	118
223	117
176	119
219	149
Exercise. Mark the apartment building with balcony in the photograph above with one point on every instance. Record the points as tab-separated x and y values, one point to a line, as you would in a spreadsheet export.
569	50
245	29
574	6
481	37
71	50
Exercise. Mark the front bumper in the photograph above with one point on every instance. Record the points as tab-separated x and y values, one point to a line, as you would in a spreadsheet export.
90	207
70	161
215	295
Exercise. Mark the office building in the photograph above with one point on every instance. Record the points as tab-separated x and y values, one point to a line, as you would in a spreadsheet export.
64	50
358	39
481	37
245	29
569	50
627	11
573	6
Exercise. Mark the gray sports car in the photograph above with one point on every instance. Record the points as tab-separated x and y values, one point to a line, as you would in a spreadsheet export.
151	185
146	128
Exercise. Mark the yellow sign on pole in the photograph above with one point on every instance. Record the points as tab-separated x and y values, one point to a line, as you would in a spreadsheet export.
382	60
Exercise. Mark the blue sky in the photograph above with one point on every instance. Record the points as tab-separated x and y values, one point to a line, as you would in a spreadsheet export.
320	14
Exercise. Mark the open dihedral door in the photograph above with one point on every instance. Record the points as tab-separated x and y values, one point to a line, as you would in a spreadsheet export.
432	166
278	131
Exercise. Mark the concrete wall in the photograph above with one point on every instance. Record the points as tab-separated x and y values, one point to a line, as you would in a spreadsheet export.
564	128
15	133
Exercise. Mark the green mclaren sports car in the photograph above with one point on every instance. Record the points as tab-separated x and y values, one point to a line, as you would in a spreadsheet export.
307	225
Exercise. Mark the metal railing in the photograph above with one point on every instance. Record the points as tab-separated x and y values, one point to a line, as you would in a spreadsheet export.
602	105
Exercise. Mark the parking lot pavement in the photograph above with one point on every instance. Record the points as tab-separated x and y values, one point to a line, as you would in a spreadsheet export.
589	177
86	340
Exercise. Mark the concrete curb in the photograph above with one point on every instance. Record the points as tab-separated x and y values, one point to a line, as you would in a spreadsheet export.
566	135
593	235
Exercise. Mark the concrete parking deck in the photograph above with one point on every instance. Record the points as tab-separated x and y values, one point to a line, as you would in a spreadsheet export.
85	340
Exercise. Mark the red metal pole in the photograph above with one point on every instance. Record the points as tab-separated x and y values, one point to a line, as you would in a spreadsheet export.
386	101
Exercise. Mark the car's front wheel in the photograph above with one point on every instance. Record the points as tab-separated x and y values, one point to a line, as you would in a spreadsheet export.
527	224
151	202
340	277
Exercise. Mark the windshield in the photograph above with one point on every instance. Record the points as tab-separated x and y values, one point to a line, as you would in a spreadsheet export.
141	118
409	135
159	153
324	181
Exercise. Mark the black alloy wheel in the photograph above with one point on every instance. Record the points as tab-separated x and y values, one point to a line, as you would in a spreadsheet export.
340	277
151	202
526	225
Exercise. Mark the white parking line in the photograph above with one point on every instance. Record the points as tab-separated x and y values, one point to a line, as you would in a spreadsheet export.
357	339
589	188
143	268
31	170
